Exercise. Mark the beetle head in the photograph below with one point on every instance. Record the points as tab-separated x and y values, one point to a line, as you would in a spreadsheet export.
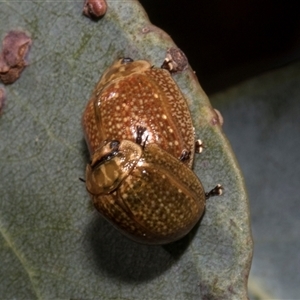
111	163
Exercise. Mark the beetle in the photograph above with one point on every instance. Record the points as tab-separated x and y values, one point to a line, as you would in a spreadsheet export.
140	135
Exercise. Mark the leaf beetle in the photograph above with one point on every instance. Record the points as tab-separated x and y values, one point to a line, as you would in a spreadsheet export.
141	139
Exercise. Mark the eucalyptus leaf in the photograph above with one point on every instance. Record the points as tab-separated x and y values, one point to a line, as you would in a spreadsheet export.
53	244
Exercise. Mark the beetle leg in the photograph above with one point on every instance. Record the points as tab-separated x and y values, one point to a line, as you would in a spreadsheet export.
185	155
199	146
144	143
139	133
126	60
216	191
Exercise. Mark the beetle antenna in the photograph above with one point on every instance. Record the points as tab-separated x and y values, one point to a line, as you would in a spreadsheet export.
81	179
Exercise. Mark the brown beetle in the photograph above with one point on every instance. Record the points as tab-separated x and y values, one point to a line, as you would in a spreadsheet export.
141	139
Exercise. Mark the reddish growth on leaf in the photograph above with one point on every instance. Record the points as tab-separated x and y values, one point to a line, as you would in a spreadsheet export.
94	9
15	47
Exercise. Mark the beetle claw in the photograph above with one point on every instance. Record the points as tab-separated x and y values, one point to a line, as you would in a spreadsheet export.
199	146
216	191
185	155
